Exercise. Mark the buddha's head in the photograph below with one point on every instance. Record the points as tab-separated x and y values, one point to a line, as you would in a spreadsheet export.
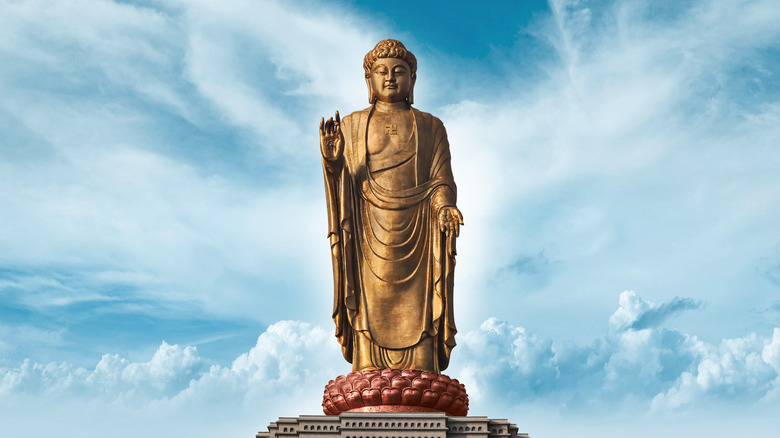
391	71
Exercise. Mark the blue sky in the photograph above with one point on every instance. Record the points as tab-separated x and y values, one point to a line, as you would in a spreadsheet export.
163	260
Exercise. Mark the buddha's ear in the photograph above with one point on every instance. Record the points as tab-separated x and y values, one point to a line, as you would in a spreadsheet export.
371	93
410	98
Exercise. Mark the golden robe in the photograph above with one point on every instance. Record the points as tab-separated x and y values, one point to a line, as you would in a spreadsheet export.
392	266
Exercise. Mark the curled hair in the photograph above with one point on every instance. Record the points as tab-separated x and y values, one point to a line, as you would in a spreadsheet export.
389	49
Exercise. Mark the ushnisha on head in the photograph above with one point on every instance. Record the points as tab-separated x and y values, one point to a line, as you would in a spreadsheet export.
391	71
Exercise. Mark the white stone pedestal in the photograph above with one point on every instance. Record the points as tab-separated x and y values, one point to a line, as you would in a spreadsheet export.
390	425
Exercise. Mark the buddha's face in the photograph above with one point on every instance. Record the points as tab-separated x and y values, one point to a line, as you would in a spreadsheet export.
391	79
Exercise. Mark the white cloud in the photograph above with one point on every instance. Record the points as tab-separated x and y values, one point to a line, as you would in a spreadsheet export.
283	374
287	371
502	365
771	351
501	355
113	378
288	355
650	368
651	372
737	369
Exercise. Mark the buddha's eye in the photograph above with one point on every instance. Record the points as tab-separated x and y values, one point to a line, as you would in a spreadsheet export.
381	71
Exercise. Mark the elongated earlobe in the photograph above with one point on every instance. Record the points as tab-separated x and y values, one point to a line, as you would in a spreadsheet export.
410	99
371	94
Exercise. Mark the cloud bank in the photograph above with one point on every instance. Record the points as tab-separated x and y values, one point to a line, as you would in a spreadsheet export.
506	368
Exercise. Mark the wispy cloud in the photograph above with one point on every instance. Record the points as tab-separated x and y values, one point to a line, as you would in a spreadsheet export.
637	314
644	159
141	138
657	315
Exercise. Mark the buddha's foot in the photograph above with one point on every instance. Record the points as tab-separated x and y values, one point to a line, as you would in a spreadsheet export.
395	391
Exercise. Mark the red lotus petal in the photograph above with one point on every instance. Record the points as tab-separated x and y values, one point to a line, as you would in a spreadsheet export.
458	407
371	374
389	373
439	386
361	384
380	382
371	397
421	383
429	375
401	382
329	408
391	396
445	401
411	396
340	402
355	399
410	374
429	398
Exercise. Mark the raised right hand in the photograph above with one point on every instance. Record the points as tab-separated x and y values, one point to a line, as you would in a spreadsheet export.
331	139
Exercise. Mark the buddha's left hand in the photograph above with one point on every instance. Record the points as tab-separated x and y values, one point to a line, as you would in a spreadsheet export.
450	220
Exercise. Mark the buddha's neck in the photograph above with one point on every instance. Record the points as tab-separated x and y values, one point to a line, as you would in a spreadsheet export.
387	107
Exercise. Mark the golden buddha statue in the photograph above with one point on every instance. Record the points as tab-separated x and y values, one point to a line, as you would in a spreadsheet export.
392	223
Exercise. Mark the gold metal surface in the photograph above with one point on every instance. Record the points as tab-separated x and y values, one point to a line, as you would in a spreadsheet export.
392	223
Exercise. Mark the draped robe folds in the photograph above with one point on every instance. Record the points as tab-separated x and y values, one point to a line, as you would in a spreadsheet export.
392	266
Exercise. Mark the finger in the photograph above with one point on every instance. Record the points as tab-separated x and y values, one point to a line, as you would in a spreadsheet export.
456	226
459	216
322	125
329	126
338	119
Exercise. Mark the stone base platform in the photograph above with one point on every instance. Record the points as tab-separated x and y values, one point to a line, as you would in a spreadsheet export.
390	425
